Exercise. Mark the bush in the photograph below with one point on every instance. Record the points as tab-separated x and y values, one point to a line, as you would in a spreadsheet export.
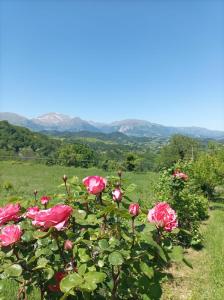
94	244
180	191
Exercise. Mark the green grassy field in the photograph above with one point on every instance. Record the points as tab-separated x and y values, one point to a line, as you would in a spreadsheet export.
26	177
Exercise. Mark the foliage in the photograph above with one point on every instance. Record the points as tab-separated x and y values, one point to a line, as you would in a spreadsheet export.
208	171
191	205
113	254
179	148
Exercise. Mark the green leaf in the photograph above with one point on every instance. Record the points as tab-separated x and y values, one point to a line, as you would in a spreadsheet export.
177	253
148	271
88	286
71	282
187	262
13	270
94	277
131	188
48	273
82	269
115	258
103	244
84	257
42	234
27	236
41	263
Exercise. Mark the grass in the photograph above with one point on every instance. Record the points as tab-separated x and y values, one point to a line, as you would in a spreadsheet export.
26	177
206	280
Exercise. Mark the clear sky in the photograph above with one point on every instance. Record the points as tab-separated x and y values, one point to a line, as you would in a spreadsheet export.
162	61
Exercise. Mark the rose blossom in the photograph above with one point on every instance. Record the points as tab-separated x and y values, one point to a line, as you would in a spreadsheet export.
58	278
31	212
163	216
56	217
180	175
134	209
10	235
68	245
45	199
117	195
9	213
95	184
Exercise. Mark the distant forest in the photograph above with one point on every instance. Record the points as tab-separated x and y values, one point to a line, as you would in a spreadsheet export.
107	151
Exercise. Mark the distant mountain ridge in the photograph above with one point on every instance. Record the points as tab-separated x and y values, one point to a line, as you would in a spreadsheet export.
130	127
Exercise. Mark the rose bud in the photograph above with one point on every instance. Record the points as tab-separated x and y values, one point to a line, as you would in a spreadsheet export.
117	195
68	245
57	278
119	173
65	178
134	209
35	192
45	199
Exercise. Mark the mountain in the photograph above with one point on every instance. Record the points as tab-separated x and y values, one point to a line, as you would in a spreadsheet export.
130	127
49	121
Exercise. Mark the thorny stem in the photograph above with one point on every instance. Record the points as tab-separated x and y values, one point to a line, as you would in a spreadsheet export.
66	188
60	249
99	198
35	196
115	277
133	230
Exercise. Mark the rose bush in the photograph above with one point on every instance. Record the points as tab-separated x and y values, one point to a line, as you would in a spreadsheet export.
94	244
177	186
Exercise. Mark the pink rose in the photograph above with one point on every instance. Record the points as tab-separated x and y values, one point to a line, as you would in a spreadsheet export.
56	217
31	212
10	235
95	184
9	213
117	195
163	216
180	175
45	199
58	278
134	209
68	245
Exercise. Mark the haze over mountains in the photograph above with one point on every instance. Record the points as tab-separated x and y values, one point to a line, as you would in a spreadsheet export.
131	127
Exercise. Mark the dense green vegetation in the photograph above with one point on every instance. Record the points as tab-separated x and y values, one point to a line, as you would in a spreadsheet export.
105	151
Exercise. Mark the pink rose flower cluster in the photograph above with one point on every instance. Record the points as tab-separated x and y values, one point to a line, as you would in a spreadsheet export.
163	216
180	175
9	234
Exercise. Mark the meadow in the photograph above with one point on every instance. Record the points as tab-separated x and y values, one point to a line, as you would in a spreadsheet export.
23	178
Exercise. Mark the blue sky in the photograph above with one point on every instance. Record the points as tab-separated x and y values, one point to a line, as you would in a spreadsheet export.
162	61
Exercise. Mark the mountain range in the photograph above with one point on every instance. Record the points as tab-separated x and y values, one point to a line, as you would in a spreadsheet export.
131	127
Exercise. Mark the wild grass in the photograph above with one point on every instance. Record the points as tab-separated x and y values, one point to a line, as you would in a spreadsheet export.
23	178
206	280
